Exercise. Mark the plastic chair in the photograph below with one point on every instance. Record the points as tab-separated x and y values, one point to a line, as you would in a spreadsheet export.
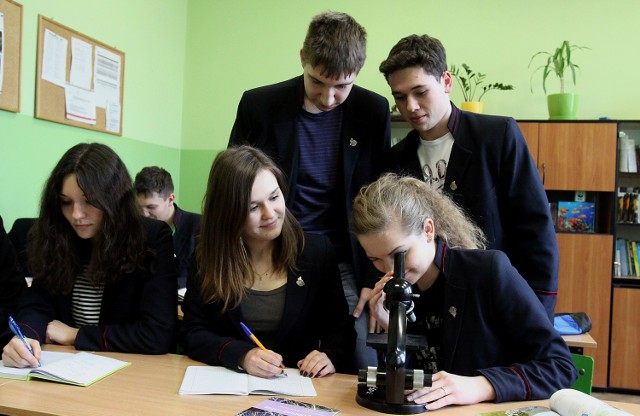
584	365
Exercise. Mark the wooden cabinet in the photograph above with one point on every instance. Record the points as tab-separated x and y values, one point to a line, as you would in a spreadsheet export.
574	156
578	156
584	285
581	156
625	339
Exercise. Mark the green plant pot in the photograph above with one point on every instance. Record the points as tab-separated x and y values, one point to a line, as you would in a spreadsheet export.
562	106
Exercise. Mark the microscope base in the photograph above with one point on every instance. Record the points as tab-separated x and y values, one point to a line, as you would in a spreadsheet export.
374	398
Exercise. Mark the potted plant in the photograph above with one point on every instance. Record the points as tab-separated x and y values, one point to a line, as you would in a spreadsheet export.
471	84
563	105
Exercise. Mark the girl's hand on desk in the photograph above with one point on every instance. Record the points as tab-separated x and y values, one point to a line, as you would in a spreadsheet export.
449	389
15	354
316	364
262	363
60	333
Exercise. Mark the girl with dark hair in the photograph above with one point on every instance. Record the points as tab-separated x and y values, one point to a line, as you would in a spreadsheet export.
256	266
104	276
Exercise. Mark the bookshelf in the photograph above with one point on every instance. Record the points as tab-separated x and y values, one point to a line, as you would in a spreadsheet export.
582	155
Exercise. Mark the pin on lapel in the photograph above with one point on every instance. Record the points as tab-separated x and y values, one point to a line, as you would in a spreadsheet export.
353	142
453	311
454	186
300	282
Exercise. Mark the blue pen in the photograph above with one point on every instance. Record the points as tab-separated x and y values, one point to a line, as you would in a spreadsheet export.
16	330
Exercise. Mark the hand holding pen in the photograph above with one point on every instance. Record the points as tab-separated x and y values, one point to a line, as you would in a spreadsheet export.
12	354
261	362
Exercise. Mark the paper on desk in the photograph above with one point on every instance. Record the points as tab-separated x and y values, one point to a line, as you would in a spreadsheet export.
46	358
220	380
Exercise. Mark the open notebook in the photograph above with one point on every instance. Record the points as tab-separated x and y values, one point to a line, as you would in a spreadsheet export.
220	380
80	369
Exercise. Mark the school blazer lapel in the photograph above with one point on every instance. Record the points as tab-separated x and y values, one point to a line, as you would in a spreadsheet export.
295	300
453	314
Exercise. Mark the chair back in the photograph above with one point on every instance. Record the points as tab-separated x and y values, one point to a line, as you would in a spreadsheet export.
584	365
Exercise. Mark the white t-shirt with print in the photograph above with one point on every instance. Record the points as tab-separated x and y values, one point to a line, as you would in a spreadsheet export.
434	158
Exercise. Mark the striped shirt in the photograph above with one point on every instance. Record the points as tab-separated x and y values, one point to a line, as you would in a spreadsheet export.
86	302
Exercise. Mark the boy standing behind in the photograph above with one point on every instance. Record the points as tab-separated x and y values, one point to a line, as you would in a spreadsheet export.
327	135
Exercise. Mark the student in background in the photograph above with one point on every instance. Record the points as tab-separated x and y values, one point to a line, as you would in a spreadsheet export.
489	337
328	136
481	161
104	276
12	281
154	189
255	265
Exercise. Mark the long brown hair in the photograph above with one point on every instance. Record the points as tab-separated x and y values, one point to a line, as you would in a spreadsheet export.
410	201
55	248
223	262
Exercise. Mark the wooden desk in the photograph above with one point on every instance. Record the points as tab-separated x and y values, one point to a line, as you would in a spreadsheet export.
577	343
149	386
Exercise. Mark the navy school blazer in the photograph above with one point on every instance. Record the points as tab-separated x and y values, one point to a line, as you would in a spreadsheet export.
138	312
266	119
316	316
491	174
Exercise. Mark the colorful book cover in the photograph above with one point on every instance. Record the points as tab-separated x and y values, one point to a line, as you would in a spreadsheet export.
577	217
630	256
624	262
279	406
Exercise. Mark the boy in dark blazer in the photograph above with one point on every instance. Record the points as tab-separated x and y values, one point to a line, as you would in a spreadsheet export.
154	190
489	170
328	136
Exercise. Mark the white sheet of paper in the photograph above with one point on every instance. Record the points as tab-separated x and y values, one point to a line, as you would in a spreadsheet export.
54	58
106	80
80	104
2	34
113	117
46	358
220	380
81	64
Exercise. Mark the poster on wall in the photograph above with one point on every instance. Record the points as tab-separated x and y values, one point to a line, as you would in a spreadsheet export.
1	49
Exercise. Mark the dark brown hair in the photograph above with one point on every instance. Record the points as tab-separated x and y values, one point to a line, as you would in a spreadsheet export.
118	248
223	261
421	51
336	43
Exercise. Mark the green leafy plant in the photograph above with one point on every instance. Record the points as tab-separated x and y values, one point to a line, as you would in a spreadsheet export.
558	63
471	82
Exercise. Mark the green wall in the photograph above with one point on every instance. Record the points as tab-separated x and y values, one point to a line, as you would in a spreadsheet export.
188	62
233	45
154	45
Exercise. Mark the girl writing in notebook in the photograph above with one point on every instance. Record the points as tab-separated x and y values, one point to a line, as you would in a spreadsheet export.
104	277
489	337
256	266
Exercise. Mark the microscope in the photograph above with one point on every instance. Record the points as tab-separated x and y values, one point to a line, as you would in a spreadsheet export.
382	388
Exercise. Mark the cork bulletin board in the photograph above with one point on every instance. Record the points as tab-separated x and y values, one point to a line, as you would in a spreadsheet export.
79	80
10	54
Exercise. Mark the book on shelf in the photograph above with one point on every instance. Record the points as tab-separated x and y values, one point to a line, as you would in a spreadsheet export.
220	380
280	406
621	257
79	369
566	402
